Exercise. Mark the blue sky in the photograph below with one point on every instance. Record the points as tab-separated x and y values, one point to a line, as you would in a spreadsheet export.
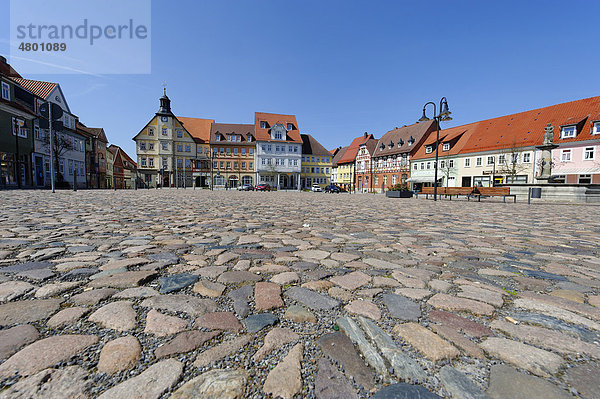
345	67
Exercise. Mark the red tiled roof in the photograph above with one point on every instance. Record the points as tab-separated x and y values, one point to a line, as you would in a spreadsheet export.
37	87
339	155
231	128
417	131
457	136
527	128
115	149
262	134
350	154
198	128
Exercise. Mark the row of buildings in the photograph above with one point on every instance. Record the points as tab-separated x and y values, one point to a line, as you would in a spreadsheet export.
83	156
193	152
502	150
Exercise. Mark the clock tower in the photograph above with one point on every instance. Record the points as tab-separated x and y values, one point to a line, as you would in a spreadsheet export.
165	105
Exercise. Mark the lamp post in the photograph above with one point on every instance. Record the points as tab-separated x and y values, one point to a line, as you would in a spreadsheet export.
444	115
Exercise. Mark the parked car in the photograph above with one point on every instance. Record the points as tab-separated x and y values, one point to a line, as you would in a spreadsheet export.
332	189
246	187
263	187
316	188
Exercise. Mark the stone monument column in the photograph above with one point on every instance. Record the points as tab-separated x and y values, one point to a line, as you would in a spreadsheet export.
546	147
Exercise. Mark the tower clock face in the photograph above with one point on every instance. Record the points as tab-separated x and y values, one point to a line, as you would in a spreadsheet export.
164	118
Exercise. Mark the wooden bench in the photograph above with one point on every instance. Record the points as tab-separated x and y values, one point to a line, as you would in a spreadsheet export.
448	192
492	192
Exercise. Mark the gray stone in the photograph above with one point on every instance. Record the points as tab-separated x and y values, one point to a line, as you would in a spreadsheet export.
214	384
168	258
45	353
428	343
339	348
404	367
299	315
275	338
537	361
181	303
459	385
351	329
331	384
119	355
66	317
118	316
257	322
37	274
70	382
54	289
240	297
14	289
124	280
506	382
27	266
238	276
13	339
404	391
401	307
162	325
176	282
311	299
93	297
79	274
137	292
150	384
22	312
584	378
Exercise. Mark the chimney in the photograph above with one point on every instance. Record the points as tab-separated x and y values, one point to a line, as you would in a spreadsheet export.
366	134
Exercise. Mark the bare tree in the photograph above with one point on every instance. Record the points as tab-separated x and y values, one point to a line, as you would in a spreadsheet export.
62	143
510	162
447	168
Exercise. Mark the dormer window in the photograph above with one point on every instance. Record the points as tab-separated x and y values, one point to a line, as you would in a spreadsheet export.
263	125
391	144
179	134
428	149
150	131
446	147
290	126
596	128
411	140
400	143
5	91
217	137
278	136
249	137
568	132
382	147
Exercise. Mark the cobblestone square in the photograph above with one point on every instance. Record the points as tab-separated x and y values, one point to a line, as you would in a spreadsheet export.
197	293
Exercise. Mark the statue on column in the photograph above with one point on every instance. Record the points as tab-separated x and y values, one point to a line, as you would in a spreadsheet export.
546	148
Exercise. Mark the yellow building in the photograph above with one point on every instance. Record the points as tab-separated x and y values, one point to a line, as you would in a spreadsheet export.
167	152
110	164
316	163
345	175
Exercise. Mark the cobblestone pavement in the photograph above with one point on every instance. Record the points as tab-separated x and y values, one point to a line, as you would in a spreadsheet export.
232	294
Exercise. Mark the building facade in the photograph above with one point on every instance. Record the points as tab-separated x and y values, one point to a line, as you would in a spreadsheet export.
364	166
233	148
346	163
338	153
316	163
278	150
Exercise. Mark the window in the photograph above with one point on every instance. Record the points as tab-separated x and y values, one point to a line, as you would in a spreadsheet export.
142	145
5	91
415	167
422	165
250	165
180	163
243	165
215	165
151	162
428	165
276	148
222	151
451	163
278	136
490	160
269	148
264	161
596	128
188	148
243	151
312	170
585	179
467	162
235	151
428	149
179	147
263	124
164	162
36	132
61	166
151	146
228	151
235	165
143	162
250	151
295	162
568	132
222	164
164	131
442	164
179	134
150	131
290	126
527	157
565	155
514	158
165	146
559	179
478	161
70	166
188	163
588	153
217	137
501	159
446	147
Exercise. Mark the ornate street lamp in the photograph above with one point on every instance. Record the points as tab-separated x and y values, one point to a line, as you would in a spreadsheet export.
443	116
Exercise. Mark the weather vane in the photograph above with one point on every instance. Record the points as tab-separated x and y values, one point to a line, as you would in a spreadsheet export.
164	85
